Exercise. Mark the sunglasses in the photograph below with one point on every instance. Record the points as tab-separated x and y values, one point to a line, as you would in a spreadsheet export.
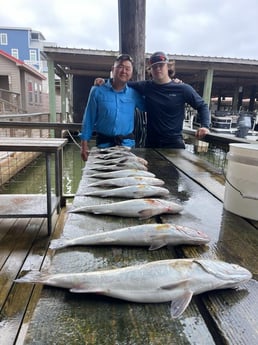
124	57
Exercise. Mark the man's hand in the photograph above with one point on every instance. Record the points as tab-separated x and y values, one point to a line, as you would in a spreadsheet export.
177	81
99	81
84	150
201	132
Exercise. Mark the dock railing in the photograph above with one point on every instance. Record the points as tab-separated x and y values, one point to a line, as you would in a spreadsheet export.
213	149
35	125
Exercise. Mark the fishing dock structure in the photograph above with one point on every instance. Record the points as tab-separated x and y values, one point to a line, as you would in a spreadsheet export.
53	315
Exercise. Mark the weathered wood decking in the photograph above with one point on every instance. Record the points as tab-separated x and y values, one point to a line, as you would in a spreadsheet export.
218	317
23	245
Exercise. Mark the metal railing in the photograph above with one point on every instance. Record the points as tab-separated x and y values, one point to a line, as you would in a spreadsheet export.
15	166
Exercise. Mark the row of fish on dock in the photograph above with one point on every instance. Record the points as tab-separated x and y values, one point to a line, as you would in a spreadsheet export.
122	174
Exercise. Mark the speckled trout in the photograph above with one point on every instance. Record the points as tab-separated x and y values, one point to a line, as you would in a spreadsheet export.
153	235
127	159
129	192
175	280
139	208
128	181
119	166
123	173
115	154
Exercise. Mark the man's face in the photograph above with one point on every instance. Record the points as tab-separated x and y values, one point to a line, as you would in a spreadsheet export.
159	71
122	71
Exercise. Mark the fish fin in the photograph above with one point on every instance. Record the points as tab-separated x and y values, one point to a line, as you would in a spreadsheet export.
157	244
172	286
178	305
138	195
145	214
58	243
76	210
32	276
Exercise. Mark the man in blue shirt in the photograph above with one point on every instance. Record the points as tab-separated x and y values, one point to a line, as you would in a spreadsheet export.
110	109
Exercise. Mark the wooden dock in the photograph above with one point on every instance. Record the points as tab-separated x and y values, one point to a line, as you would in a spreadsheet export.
216	317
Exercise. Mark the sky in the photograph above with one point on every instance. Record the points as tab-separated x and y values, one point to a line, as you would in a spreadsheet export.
216	28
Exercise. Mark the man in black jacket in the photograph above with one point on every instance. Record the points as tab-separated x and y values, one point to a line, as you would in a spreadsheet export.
165	105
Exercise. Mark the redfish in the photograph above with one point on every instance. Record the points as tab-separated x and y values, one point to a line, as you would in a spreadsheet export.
139	208
134	191
128	181
175	280
153	235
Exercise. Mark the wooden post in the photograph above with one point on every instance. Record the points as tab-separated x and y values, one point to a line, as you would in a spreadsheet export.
131	17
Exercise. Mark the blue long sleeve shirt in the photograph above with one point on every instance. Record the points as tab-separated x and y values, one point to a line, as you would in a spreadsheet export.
111	112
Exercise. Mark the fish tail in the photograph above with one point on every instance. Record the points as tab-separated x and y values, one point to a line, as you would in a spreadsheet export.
76	210
58	243
33	276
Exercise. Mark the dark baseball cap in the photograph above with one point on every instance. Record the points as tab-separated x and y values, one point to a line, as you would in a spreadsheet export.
158	57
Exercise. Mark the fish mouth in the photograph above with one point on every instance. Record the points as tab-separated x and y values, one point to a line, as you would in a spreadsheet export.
231	275
194	235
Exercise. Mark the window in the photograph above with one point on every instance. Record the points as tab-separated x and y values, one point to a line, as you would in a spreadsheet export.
3	39
33	55
15	53
30	92
40	94
35	36
36	93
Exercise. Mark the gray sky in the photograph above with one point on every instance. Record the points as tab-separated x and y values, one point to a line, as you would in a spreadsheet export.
222	28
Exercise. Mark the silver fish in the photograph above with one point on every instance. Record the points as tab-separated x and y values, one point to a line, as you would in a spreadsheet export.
129	181
139	208
175	280
133	191
119	166
122	173
115	154
119	160
105	150
154	235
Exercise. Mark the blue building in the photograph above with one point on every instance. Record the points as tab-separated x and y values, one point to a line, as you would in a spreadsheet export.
24	44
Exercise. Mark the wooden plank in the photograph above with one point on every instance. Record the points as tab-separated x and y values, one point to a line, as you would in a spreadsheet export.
31	144
20	300
25	205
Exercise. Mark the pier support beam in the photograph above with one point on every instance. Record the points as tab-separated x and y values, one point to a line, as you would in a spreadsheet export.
207	86
131	17
52	91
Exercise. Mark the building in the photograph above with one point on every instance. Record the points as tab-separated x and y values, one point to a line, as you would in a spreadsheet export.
21	89
24	44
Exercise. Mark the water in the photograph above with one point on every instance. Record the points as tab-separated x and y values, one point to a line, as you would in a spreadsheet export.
32	179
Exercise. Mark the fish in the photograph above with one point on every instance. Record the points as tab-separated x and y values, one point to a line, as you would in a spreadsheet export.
153	235
119	166
133	191
123	160
122	173
105	150
172	280
138	208
115	154
129	181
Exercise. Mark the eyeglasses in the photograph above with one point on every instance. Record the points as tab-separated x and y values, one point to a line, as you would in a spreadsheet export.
124	57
